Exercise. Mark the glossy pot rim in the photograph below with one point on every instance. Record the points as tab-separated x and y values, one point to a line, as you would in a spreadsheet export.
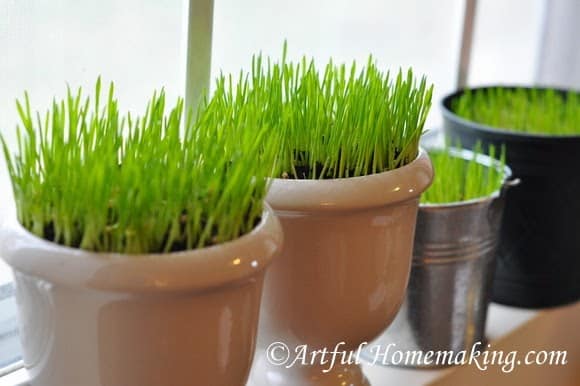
199	269
508	135
374	190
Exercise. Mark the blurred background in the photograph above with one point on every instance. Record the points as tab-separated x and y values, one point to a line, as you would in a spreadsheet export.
140	44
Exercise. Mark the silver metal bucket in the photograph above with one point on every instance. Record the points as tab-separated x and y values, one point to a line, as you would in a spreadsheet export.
450	283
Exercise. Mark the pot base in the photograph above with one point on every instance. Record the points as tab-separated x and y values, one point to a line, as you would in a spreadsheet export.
265	373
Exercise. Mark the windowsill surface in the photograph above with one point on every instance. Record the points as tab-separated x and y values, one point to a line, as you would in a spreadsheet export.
501	320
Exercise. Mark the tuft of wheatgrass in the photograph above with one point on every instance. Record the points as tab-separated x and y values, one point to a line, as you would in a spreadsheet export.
86	176
335	122
458	179
535	111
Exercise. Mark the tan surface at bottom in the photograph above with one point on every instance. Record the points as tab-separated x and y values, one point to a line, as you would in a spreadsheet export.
553	330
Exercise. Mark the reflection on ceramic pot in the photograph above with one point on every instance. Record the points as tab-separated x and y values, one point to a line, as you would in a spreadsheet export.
449	290
538	259
342	273
180	319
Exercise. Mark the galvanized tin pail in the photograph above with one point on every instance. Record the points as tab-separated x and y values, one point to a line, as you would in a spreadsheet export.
450	282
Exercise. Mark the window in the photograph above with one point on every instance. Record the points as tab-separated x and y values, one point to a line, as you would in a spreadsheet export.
9	345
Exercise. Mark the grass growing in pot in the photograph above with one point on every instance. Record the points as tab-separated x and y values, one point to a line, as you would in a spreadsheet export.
88	177
540	111
457	179
337	122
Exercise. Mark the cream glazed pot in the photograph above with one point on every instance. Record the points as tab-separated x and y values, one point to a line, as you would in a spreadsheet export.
342	274
178	319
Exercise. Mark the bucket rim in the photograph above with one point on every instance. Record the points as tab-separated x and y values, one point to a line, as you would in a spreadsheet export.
448	113
482	159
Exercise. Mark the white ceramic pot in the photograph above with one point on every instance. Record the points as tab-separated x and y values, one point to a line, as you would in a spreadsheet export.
178	319
343	271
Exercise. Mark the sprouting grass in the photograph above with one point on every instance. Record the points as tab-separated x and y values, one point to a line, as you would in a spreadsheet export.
539	111
339	122
458	179
86	176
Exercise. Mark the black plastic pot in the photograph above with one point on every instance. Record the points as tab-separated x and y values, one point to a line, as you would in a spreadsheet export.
539	253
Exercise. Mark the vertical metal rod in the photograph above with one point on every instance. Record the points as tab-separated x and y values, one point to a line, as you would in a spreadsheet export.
199	43
466	43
